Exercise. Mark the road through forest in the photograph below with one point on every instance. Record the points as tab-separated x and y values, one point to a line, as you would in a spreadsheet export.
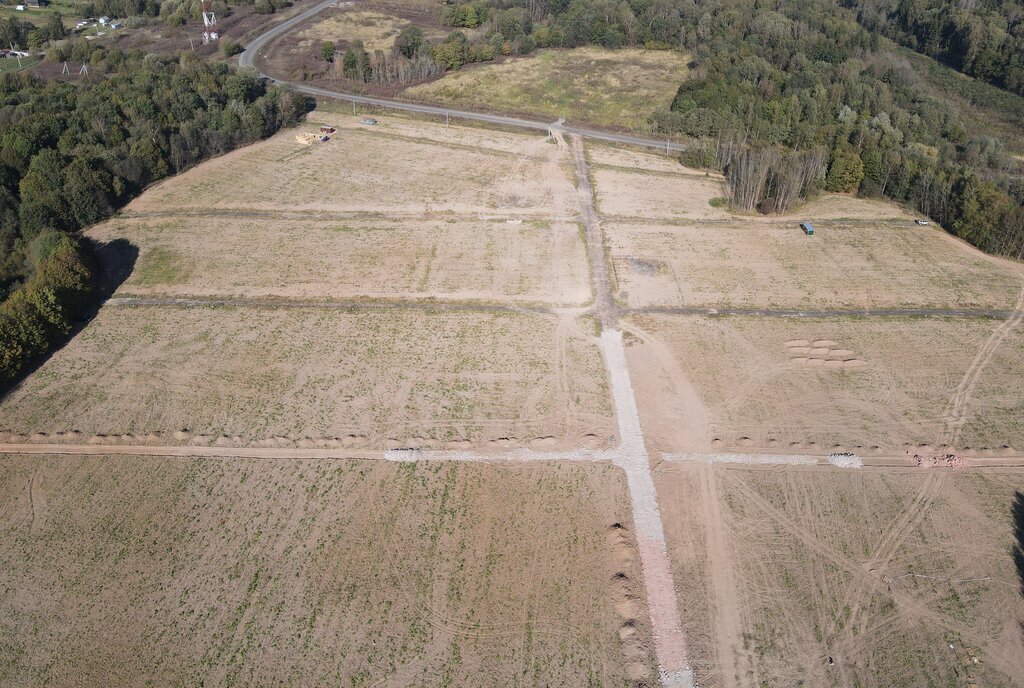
248	58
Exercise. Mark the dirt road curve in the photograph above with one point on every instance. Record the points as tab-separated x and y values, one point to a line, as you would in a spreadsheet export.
248	59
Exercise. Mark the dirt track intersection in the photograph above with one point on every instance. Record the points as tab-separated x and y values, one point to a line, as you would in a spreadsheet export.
432	296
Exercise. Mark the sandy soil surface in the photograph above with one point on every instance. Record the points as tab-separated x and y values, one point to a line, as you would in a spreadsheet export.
379	379
402	126
1001	402
135	570
775	265
817	383
372	169
450	259
898	578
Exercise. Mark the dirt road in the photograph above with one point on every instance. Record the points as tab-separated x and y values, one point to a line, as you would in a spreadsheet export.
248	59
604	305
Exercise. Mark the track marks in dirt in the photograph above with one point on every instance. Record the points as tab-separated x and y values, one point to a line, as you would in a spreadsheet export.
734	662
849	641
604	305
957	411
858	599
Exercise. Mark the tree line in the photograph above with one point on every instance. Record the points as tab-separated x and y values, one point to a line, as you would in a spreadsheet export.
984	39
71	153
786	99
805	98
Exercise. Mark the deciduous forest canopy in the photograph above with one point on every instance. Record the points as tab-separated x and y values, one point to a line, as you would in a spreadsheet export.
70	153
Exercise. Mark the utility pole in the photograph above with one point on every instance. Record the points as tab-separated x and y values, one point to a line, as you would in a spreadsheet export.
66	70
84	70
447	119
191	45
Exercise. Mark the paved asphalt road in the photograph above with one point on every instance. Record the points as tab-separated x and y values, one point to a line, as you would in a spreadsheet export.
247	59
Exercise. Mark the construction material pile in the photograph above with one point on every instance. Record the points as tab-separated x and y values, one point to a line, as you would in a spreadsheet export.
845	460
946	461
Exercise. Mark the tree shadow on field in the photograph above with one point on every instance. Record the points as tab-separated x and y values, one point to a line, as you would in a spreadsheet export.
116	261
1018	535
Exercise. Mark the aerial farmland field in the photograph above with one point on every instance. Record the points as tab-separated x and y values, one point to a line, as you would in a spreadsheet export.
428	403
451	258
362	377
820	577
132	570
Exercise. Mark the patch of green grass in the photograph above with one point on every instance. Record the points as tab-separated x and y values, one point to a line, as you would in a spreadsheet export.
162	266
9	66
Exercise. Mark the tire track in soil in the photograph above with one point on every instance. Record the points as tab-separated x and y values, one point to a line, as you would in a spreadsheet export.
917	613
885	551
604	305
733	662
956	412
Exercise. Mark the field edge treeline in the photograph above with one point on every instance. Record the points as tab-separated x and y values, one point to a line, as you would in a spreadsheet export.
72	153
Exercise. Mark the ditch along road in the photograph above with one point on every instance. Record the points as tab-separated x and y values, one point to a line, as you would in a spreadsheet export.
249	56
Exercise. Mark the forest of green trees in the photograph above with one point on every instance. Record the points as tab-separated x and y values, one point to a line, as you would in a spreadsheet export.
981	38
788	98
71	153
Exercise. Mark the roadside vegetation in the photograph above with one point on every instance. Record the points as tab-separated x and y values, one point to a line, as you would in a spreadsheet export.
72	153
616	88
786	102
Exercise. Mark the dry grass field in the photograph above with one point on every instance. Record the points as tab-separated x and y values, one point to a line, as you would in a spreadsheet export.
452	259
831	578
870	264
651	195
376	30
149	571
373	378
413	284
375	170
811	384
613	88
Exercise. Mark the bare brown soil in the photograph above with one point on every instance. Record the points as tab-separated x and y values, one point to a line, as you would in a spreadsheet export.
822	577
136	570
653	195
